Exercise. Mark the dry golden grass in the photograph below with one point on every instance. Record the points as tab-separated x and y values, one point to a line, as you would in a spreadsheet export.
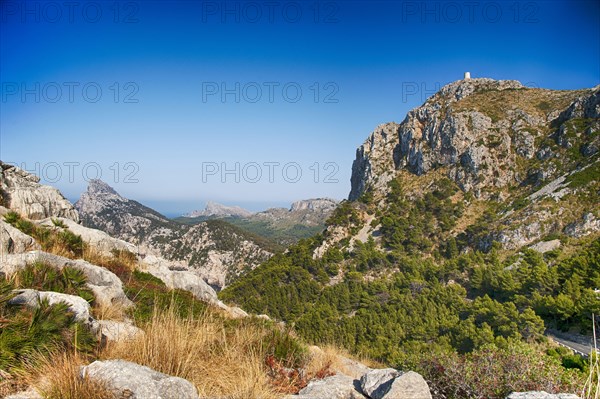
220	362
57	377
113	311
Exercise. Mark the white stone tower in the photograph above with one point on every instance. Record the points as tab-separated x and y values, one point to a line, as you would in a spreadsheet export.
467	75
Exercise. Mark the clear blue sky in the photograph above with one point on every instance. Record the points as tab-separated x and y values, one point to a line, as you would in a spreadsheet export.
163	119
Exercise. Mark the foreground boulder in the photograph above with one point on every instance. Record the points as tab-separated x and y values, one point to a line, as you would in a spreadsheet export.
338	386
394	384
541	395
106	286
130	380
32	298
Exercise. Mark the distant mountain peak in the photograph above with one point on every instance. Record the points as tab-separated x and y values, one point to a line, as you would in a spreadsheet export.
314	204
97	186
216	209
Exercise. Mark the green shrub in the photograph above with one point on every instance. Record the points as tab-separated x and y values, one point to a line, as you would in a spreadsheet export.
43	277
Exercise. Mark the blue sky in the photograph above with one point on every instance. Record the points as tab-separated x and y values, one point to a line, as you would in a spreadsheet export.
177	103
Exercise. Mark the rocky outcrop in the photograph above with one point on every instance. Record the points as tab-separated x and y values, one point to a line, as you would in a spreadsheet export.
21	192
588	224
212	250
466	129
130	380
316	204
541	395
106	286
12	240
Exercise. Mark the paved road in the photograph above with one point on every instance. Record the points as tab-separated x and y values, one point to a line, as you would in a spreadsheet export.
576	346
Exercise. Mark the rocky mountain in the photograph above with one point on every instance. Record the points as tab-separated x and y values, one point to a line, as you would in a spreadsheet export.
530	152
214	250
216	210
284	226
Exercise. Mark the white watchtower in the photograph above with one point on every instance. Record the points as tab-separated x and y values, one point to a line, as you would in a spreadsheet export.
467	75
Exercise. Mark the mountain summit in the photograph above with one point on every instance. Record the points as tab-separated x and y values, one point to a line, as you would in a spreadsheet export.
486	135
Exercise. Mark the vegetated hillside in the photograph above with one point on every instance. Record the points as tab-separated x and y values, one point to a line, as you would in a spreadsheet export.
216	251
471	227
303	219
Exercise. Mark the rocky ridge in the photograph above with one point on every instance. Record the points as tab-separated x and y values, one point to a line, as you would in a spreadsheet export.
214	251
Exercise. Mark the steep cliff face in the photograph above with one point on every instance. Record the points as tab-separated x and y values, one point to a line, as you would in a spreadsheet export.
481	131
527	155
214	250
22	192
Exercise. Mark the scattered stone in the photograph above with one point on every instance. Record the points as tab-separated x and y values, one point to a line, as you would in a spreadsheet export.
127	378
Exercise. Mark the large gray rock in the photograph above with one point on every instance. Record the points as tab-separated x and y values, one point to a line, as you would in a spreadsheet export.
21	192
394	384
127	379
13	240
377	383
32	298
106	286
97	239
180	279
338	386
541	395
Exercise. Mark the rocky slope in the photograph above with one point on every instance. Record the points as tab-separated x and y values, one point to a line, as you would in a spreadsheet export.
213	250
531	153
